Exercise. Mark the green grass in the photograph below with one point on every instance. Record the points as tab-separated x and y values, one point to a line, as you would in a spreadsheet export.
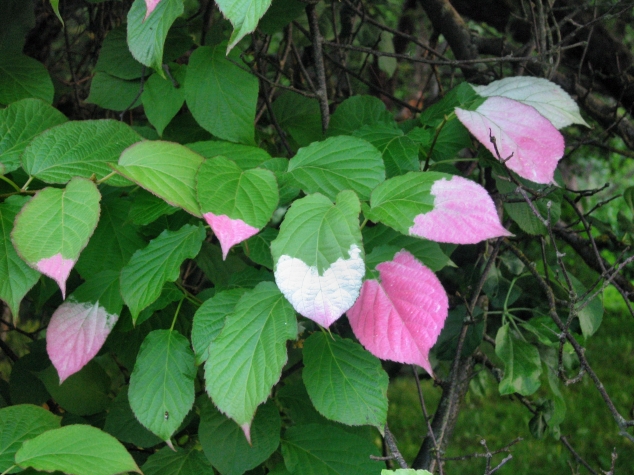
485	414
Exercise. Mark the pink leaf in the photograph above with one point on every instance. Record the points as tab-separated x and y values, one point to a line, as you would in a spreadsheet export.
246	428
229	231
535	144
57	268
76	333
463	213
400	318
150	5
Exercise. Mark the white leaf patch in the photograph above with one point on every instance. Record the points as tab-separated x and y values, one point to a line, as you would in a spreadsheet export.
322	298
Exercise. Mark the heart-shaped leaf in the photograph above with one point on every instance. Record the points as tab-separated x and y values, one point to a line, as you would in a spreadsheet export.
337	164
244	16
235	203
76	449
80	326
548	98
19	124
437	206
318	256
54	227
527	142
247	358
162	384
400	317
164	168
79	148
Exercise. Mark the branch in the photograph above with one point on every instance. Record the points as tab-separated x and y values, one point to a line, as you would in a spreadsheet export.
318	54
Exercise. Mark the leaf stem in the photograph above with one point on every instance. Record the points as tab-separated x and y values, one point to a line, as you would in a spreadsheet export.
178	309
106	178
10	182
8	470
189	296
433	143
26	185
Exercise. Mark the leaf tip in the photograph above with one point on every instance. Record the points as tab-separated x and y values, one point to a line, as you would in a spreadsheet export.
246	428
229	231
57	268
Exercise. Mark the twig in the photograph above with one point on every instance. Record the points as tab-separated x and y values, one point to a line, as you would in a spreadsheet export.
318	55
580	459
391	444
136	98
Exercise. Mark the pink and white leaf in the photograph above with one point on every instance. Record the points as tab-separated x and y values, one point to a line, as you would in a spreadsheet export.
229	231
400	318
150	5
76	333
463	213
530	145
57	268
548	98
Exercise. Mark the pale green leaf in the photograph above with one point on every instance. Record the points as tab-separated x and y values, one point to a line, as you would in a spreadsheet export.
147	34
143	277
246	359
162	384
344	381
245	156
16	278
165	169
79	148
243	15
316	449
18	424
400	153
76	450
22	77
221	95
337	164
222	439
19	124
522	365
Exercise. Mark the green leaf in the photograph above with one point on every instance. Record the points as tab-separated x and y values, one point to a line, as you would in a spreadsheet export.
522	365
452	138
221	95
225	445
147	34
244	16
460	96
345	382
19	124
18	424
217	269
246	359
428	252
121	423
224	189
24	386
397	201
143	277
83	393
169	294
165	169
113	93
54	227
280	14
168	461
146	208
162	384
17	18
114	241
337	164
209	320
16	278
22	77
400	153
162	99
447	343
115	58
405	471
55	5
326	450
79	148
355	112
258	248
299	116
590	316
245	156
318	256
76	449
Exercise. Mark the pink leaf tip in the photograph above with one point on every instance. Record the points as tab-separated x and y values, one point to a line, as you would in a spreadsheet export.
150	6
75	334
57	268
246	428
400	318
528	142
229	231
169	443
463	213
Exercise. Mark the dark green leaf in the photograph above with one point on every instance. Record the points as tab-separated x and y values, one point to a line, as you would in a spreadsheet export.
522	365
22	77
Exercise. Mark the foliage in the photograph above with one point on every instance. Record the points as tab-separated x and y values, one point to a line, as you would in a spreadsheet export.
208	244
